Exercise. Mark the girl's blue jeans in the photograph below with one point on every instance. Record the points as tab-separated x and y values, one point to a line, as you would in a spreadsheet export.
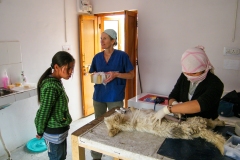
57	151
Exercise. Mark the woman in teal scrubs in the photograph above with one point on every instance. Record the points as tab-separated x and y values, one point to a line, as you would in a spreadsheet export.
117	66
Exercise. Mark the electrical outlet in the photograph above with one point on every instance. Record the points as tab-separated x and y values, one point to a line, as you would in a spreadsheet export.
231	51
66	48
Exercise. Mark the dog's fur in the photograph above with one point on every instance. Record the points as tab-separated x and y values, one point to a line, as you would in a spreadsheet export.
140	120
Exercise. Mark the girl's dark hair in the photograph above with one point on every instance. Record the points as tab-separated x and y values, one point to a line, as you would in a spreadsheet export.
61	58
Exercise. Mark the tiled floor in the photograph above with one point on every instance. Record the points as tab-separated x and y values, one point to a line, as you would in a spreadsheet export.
22	152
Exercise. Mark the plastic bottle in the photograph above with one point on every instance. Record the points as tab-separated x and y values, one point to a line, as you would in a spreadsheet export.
23	78
5	80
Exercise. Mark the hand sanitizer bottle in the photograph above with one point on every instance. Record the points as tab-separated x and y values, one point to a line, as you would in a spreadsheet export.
5	80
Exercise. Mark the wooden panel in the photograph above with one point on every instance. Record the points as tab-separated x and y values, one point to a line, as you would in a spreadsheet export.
78	153
88	94
88	42
131	50
110	14
87	34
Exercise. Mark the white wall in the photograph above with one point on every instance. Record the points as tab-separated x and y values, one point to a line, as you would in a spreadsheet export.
168	27
39	27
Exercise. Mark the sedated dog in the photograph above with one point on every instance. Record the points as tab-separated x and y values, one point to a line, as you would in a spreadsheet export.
140	120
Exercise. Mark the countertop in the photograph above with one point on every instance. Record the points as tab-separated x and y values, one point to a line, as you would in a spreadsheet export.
20	94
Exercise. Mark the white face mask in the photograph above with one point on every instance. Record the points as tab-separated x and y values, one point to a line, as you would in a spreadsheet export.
197	79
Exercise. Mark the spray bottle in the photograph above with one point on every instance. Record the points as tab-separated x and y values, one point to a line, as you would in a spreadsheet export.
23	78
5	79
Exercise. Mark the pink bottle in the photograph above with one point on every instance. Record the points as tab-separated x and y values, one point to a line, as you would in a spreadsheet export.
5	80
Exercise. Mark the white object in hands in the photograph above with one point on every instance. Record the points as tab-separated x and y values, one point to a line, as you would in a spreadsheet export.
98	77
160	114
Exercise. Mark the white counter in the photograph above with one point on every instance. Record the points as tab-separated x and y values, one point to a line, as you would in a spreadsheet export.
21	94
138	102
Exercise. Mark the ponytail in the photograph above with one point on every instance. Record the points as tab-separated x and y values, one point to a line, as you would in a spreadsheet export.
44	75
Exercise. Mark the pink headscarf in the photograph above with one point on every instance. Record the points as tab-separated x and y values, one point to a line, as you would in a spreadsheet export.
195	60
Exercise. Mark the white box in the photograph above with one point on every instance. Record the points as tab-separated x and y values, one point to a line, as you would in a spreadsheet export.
137	103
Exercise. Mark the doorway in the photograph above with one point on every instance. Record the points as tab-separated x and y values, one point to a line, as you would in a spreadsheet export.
90	29
116	23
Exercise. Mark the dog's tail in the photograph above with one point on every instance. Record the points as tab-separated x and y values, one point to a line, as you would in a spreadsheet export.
214	138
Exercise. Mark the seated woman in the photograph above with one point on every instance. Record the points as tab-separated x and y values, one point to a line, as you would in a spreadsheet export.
197	91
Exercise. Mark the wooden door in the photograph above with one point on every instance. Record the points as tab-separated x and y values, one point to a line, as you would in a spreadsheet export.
88	41
131	50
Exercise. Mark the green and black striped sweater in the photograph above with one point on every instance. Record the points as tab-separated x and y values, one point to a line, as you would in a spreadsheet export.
53	115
